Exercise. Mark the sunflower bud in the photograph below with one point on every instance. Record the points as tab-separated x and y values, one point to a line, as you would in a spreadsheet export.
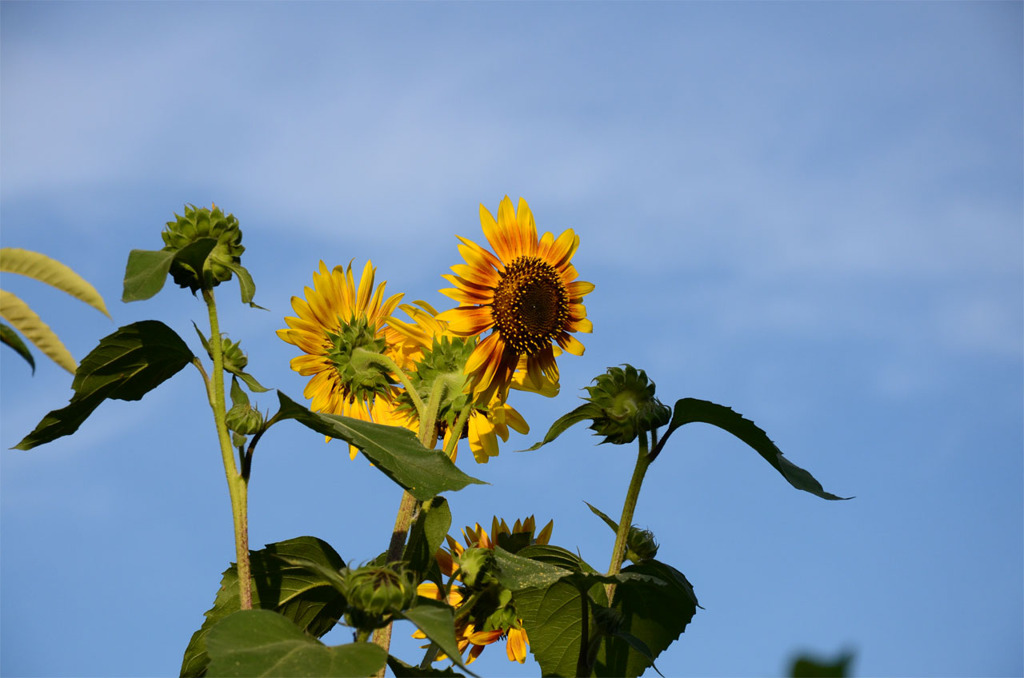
479	568
640	545
204	223
375	593
626	403
234	360
243	419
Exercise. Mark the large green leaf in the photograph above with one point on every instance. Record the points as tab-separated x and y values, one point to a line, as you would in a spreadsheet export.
437	621
50	271
263	643
145	274
298	591
691	410
124	366
653	607
10	337
395	451
554	621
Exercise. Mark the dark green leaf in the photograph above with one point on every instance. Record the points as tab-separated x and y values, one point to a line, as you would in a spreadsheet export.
654	606
145	274
245	283
519	572
690	410
807	666
553	619
426	536
582	413
437	621
125	366
250	381
303	594
556	555
11	338
264	643
393	450
403	670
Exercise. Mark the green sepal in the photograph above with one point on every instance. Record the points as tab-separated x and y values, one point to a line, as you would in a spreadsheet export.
245	284
691	410
426	535
584	412
124	366
608	521
10	337
393	450
264	643
303	593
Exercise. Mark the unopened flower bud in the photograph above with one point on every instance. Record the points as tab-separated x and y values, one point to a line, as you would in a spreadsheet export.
624	398
202	222
375	593
243	419
640	545
479	568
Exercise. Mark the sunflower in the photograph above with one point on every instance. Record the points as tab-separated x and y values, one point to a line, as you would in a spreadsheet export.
428	349
333	320
525	292
509	626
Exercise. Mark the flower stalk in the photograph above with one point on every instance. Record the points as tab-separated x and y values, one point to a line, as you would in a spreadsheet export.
238	487
643	460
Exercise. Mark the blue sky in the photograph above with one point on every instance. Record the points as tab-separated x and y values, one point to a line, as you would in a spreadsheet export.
810	212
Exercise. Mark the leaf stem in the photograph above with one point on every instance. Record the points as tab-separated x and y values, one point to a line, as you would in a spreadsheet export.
238	487
643	460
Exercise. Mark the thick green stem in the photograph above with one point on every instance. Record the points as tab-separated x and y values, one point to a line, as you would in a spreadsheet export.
629	506
238	487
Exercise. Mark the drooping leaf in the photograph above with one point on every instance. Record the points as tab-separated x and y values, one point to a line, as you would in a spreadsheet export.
653	608
263	643
125	366
50	271
393	450
690	410
582	413
245	283
426	536
437	621
9	337
145	274
25	320
291	578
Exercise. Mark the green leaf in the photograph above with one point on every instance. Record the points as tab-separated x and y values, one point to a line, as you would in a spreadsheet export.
690	410
608	521
250	381
518	572
145	274
437	621
303	593
50	271
807	666
18	313
654	606
10	337
395	451
553	619
263	643
582	413
426	536
125	366
245	283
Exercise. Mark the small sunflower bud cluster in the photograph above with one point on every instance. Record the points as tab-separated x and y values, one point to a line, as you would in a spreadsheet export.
376	593
196	224
625	404
640	545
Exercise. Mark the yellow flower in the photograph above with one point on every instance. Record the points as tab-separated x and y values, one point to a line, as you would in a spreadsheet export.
333	320
516	640
429	348
525	292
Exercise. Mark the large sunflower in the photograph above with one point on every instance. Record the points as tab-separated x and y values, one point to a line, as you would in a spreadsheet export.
428	349
333	320
525	292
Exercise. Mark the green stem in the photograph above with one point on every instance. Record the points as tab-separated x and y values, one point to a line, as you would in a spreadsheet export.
629	506
238	487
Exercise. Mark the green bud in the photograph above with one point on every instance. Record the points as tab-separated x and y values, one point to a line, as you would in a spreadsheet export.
624	398
478	567
244	420
201	222
375	593
234	360
640	545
